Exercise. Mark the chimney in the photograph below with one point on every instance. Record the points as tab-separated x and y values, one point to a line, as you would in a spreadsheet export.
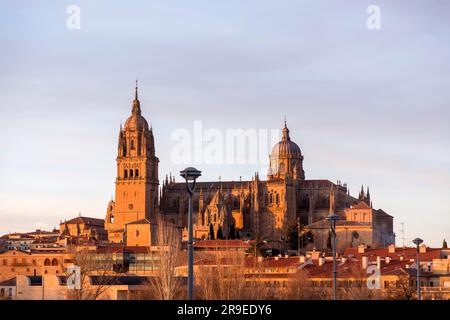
388	259
321	261
391	248
302	259
422	248
379	262
361	248
365	262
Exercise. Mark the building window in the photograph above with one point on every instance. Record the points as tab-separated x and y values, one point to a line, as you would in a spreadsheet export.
137	233
136	174
278	198
47	262
131	173
111	218
54	262
126	174
132	145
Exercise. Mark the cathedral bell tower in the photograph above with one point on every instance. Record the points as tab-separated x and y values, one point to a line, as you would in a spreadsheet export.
137	175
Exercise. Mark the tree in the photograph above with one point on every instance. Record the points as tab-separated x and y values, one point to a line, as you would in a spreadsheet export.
224	277
292	236
93	266
255	246
166	283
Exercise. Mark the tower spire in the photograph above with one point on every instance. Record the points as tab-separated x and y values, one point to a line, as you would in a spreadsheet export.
286	131
136	104
136	90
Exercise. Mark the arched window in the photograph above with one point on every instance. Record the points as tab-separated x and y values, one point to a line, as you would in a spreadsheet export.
111	218
137	233
131	173
271	198
126	174
136	173
278	198
47	262
132	145
54	262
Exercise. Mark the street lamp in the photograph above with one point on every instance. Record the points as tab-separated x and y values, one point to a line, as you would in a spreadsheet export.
190	174
418	242
333	218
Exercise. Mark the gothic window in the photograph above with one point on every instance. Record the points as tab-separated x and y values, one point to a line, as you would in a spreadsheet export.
278	198
132	145
126	174
47	262
136	173
54	262
271	198
111	218
131	173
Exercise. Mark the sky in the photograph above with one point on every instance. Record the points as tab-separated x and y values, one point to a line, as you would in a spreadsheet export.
366	106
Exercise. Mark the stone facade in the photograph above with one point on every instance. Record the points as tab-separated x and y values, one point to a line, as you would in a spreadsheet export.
137	176
237	209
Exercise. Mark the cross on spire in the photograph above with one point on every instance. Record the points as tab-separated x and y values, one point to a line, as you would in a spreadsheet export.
136	90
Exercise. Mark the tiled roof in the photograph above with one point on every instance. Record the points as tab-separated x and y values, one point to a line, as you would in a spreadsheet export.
407	253
87	220
222	244
122	249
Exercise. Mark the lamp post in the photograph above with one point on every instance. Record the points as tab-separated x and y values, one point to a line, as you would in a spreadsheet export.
418	242
298	236
333	218
190	175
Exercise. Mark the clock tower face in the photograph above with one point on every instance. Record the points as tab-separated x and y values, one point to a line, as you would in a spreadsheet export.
137	173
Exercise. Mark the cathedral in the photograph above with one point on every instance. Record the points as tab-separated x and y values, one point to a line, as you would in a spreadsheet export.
263	208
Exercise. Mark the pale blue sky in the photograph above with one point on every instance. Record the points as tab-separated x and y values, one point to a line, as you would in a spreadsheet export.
366	107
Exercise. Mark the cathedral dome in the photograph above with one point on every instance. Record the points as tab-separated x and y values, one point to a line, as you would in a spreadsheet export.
136	122
285	147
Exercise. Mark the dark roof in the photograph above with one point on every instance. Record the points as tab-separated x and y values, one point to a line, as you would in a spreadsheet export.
142	221
120	280
87	220
8	283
